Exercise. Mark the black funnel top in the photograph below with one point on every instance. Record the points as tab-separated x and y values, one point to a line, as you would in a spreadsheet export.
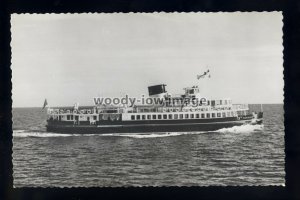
157	89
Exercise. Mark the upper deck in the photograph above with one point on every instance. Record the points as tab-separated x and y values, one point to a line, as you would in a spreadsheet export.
93	110
189	104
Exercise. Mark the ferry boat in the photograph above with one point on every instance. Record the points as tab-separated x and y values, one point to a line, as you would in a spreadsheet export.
174	114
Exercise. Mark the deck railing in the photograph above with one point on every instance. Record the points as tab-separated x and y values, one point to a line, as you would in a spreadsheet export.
240	106
234	107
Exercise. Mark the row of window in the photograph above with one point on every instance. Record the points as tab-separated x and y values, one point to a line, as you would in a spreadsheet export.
70	117
83	111
182	116
177	109
219	102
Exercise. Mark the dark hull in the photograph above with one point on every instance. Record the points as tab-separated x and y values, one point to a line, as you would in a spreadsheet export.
148	126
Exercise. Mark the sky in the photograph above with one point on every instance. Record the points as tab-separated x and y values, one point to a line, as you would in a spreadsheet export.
70	58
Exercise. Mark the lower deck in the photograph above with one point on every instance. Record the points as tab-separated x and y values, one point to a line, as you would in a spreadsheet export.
101	127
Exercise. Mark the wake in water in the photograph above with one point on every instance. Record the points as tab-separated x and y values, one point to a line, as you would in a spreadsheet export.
26	133
248	128
152	135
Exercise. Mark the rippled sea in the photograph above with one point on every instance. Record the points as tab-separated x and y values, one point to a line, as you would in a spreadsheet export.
246	155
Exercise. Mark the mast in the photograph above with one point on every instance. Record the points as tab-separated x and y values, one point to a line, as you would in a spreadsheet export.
205	75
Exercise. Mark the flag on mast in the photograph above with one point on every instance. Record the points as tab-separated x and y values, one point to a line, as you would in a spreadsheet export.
45	104
204	75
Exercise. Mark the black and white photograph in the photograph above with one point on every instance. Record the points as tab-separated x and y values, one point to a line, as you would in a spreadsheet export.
148	99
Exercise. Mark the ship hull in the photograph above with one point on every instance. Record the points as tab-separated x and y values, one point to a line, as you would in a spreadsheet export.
150	126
